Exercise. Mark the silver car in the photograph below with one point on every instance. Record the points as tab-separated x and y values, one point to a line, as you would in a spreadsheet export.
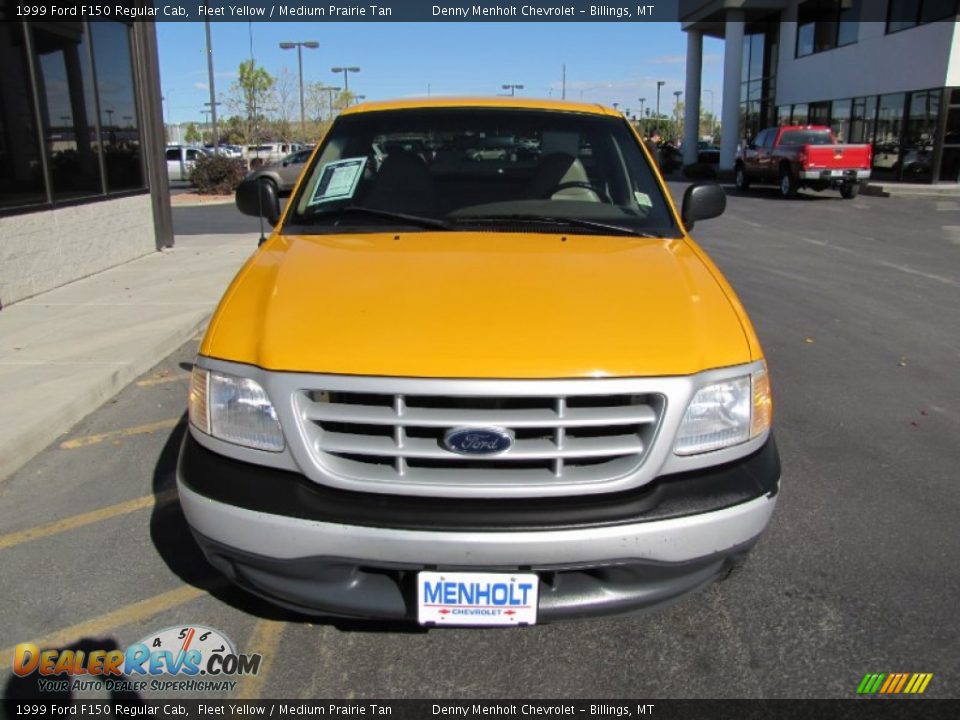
283	174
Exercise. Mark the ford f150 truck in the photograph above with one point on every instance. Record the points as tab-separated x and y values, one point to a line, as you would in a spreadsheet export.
464	393
797	156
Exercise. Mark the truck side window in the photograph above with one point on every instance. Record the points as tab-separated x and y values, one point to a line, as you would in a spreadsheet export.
173	154
770	139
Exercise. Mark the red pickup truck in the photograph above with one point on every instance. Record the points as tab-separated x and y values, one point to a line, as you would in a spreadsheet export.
795	156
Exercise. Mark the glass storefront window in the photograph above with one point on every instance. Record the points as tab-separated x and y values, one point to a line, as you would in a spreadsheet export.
840	119
118	107
864	119
848	27
783	115
69	121
904	14
933	10
953	127
805	33
67	108
950	165
886	141
21	164
920	136
819	113
800	116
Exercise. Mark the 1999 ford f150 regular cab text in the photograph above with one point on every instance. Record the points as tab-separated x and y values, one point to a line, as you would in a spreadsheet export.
472	388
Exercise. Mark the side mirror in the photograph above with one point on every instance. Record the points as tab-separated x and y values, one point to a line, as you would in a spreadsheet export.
751	146
702	202
258	197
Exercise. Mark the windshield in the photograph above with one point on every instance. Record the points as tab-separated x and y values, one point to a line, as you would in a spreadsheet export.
502	169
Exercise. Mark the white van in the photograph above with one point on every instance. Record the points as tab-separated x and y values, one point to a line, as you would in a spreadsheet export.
267	153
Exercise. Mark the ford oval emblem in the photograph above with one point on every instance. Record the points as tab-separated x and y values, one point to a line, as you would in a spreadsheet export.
478	441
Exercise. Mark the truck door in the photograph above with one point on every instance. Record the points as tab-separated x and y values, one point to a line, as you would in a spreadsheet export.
751	157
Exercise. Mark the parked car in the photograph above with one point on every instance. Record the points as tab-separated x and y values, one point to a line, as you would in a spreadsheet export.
452	395
231	151
267	153
708	153
180	161
796	156
283	174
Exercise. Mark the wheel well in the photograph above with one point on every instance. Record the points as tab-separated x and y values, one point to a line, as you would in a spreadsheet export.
785	166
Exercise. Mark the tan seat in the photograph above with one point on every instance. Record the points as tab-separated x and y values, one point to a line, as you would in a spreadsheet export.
403	184
555	170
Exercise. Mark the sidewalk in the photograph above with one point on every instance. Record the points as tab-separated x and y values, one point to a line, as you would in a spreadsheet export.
888	188
65	352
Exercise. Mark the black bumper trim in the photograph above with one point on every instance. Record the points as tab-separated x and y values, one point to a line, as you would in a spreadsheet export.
347	588
290	494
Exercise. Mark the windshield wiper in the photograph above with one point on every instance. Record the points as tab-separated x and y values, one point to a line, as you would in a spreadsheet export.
426	222
550	220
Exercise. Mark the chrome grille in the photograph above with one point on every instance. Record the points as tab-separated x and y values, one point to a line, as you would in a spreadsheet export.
381	437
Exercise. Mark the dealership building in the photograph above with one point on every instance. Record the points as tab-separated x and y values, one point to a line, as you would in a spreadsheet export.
81	148
884	72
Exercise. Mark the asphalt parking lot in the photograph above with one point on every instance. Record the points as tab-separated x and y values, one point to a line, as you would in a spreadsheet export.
857	304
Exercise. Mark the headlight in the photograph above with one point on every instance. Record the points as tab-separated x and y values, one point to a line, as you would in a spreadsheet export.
234	409
726	413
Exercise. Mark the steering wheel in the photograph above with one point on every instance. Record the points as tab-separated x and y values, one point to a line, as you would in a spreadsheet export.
600	193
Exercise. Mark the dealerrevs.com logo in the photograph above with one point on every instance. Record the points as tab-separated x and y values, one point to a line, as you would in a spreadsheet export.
183	658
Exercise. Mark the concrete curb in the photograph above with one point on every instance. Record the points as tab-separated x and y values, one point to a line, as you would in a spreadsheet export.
201	203
29	440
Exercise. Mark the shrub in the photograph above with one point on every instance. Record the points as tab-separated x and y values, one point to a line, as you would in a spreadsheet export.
217	175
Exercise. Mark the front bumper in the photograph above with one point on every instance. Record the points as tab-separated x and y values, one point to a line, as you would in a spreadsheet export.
332	552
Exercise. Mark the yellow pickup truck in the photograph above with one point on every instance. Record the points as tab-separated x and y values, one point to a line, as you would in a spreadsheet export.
465	388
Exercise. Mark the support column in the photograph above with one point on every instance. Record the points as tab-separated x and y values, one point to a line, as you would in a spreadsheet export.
732	60
691	112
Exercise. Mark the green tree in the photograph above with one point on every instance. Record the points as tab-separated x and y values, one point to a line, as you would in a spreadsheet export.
231	131
249	97
192	136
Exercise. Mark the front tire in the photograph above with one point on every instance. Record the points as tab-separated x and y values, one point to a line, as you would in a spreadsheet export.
740	178
849	191
788	184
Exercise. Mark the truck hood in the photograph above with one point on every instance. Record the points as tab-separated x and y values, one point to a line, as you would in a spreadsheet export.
479	305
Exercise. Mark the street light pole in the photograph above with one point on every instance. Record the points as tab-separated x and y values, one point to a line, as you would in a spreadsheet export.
166	99
512	88
660	83
313	45
676	111
213	92
330	90
346	79
642	101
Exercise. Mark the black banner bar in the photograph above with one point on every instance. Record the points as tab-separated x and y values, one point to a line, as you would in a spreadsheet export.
856	709
351	10
631	11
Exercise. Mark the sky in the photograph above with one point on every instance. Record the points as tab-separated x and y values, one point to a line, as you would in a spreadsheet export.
606	62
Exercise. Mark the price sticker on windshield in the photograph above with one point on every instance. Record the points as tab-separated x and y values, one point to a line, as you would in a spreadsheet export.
338	180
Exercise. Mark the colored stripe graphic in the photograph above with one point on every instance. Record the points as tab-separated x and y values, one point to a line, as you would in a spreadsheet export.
874	683
894	683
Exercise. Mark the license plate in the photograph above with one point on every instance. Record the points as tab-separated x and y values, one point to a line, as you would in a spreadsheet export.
837	173
467	598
